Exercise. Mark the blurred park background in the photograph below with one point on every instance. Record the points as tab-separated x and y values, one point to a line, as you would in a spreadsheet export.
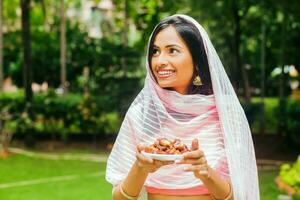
69	70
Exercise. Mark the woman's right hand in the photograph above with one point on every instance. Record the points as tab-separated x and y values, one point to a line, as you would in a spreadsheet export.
148	165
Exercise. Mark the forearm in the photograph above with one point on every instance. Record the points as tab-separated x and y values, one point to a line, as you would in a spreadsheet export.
132	184
218	187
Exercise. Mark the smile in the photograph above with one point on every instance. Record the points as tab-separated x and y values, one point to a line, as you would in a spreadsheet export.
165	73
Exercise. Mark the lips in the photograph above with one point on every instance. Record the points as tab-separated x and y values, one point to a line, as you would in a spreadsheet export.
165	73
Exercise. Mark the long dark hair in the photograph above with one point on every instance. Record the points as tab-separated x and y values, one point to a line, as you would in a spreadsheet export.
192	38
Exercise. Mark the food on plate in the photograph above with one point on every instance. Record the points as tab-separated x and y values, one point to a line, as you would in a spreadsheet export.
166	146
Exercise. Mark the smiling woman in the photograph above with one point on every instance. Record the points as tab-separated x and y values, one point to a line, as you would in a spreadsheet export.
177	57
172	63
188	96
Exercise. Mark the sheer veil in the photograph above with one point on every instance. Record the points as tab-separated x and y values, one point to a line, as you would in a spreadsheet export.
148	115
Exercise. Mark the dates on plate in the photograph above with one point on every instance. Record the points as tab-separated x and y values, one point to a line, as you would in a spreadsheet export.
165	146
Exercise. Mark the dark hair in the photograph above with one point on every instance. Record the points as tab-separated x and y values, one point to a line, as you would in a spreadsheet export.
192	38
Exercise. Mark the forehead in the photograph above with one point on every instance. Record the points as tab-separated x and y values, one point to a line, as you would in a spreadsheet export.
168	36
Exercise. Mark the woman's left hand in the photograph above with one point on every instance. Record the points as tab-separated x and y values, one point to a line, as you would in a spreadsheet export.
197	161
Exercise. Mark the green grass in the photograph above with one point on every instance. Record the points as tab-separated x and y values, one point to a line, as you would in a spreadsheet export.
20	168
268	189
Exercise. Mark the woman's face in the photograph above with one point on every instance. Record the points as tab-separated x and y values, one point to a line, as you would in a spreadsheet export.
171	62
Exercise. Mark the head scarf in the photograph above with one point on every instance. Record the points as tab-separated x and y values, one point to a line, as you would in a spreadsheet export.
157	112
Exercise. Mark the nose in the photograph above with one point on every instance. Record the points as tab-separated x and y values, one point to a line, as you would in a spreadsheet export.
162	61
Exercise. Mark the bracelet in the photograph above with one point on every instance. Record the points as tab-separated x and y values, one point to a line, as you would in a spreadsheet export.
127	196
228	197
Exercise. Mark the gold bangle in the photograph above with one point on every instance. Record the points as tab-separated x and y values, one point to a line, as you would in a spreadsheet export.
127	196
228	196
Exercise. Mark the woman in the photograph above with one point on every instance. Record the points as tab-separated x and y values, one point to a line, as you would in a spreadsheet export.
187	95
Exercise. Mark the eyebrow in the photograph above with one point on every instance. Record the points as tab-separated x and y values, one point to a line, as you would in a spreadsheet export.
168	46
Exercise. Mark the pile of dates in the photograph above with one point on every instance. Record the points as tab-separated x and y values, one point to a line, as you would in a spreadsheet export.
165	146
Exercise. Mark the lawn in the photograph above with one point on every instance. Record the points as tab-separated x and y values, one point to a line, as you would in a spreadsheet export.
72	180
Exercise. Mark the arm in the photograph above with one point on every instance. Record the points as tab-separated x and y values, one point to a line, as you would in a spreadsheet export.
219	188
137	176
132	184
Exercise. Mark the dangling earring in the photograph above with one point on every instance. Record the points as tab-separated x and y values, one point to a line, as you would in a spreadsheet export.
197	81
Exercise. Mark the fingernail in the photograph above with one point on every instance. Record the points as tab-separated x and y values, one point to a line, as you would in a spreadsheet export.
177	161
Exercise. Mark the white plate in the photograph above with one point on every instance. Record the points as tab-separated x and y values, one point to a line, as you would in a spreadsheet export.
163	157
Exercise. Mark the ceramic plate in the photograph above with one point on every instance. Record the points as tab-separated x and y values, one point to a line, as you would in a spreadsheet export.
163	157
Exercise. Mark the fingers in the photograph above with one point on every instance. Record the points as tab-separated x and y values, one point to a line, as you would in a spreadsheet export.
201	160
140	147
202	170
162	163
195	145
143	159
193	154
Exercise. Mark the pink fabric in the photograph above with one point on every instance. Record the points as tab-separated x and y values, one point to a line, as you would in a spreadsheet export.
222	169
198	190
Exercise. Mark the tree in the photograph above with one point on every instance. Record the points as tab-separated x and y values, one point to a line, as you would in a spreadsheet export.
282	98
26	43
228	40
263	71
237	17
63	75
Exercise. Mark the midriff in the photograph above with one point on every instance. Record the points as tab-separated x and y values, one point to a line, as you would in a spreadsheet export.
166	197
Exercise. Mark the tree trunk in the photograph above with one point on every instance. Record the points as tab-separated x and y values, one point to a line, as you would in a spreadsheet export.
5	139
282	81
26	40
247	90
262	84
63	74
1	47
43	7
236	54
125	35
238	66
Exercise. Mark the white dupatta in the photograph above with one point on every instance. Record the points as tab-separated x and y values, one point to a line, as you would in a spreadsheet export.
149	118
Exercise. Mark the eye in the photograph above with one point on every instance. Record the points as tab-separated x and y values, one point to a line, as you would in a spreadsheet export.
173	51
155	52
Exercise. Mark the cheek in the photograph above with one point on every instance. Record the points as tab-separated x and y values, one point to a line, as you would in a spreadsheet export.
186	68
152	64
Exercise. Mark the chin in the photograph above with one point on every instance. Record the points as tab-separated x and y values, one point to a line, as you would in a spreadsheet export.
164	85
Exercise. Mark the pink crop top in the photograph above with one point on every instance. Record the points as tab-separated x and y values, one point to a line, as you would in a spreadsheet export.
198	190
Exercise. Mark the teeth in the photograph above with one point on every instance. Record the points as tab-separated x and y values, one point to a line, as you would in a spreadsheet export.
165	72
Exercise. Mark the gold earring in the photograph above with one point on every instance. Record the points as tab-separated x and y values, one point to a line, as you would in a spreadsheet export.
197	81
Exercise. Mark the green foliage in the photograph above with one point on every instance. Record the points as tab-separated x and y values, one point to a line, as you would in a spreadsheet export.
290	174
101	56
293	116
252	111
271	117
60	116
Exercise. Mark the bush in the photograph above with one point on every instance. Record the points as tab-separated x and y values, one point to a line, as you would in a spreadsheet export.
60	116
290	174
293	122
252	110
